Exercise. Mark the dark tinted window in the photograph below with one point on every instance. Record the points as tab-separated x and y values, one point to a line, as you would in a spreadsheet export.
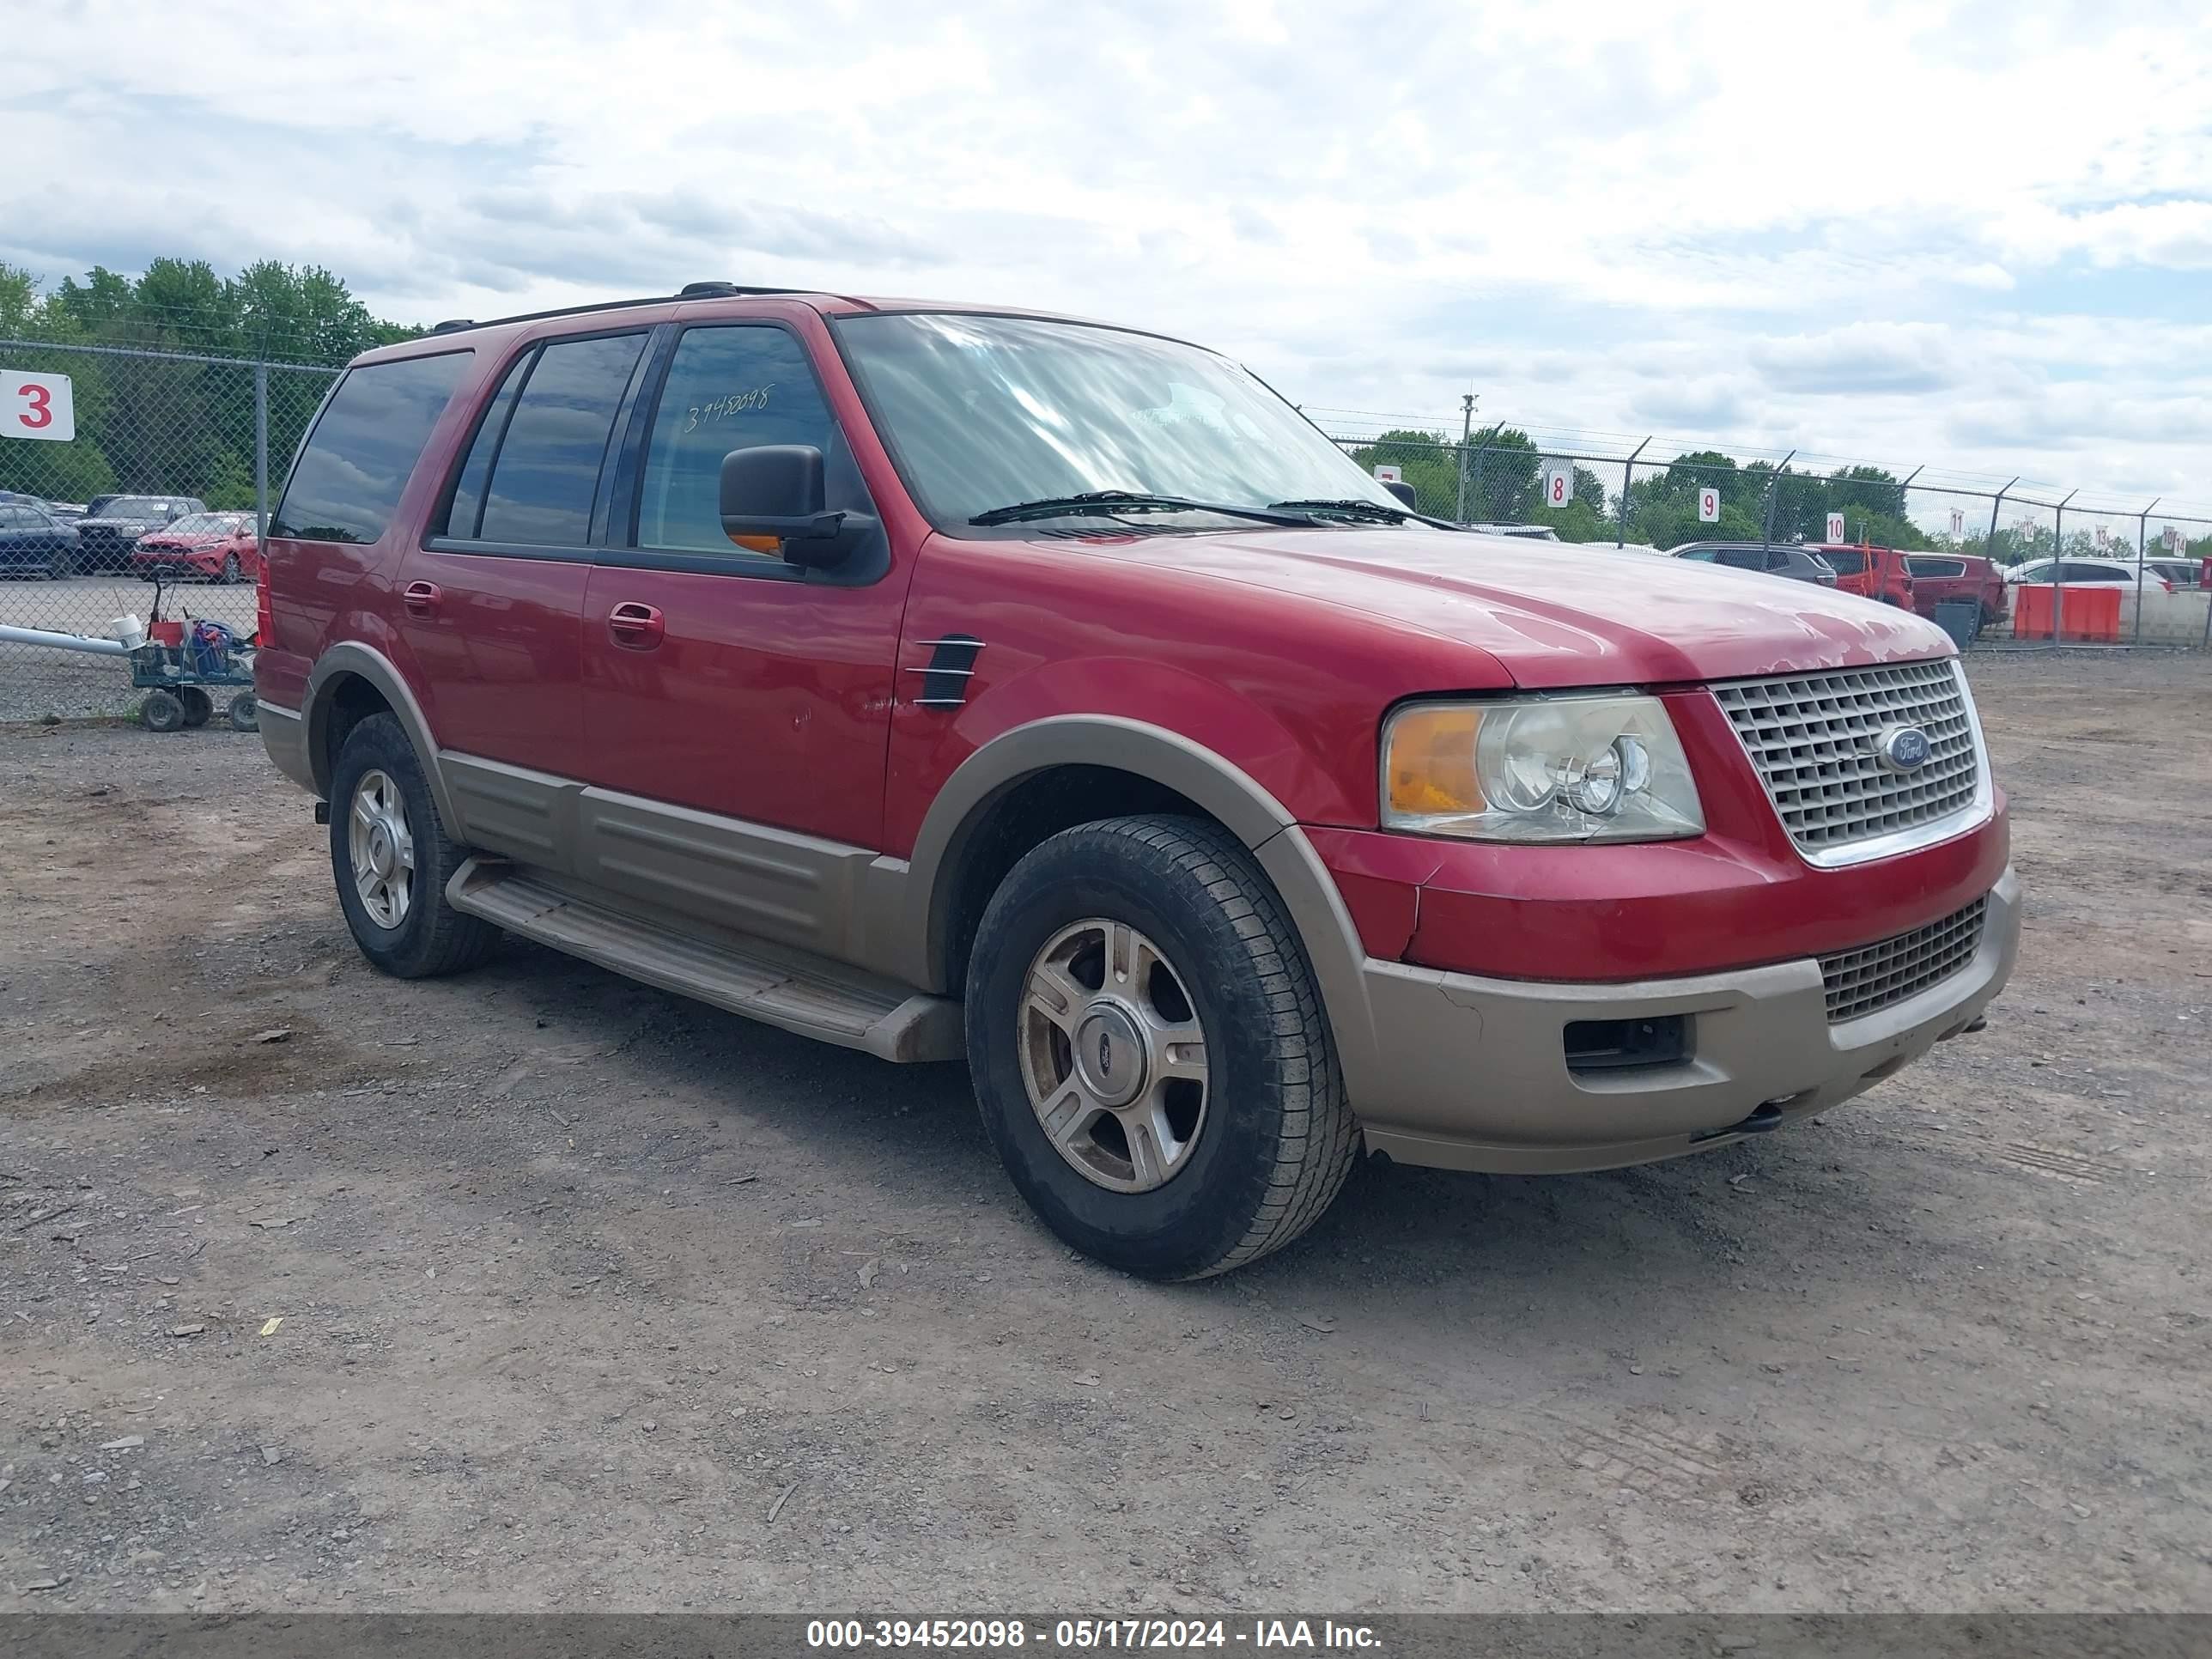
728	388
1936	568
346	485
2092	573
548	468
1744	558
1845	564
1702	554
461	518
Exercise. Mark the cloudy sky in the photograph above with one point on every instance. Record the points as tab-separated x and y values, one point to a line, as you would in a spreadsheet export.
1972	236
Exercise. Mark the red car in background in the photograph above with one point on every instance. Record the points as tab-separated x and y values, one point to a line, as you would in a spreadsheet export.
1938	577
217	547
1872	573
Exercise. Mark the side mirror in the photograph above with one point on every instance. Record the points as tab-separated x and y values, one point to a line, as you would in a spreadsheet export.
1404	492
776	490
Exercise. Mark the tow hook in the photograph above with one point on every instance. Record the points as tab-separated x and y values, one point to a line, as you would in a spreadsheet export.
1767	1118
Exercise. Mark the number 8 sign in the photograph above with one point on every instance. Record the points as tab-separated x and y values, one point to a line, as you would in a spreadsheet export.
37	406
1558	484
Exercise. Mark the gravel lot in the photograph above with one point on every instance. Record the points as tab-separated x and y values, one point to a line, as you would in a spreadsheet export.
594	1298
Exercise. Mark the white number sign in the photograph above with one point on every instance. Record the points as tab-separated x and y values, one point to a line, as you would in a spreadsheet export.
1958	524
1835	526
2103	536
37	406
1385	473
1709	505
1558	483
2175	541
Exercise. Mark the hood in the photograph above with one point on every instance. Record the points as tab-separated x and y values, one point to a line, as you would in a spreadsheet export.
183	539
1559	614
130	526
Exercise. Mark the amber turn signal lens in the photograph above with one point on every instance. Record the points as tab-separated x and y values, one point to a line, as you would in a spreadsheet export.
759	544
1433	762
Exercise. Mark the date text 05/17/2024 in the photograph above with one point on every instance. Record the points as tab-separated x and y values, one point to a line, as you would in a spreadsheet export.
1003	1634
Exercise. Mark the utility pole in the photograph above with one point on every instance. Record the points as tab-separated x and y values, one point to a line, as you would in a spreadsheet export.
1466	442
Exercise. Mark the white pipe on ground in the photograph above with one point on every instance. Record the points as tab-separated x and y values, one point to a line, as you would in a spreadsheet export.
60	641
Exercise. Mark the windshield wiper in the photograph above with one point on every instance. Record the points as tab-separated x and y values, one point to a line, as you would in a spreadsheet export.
1373	512
1110	501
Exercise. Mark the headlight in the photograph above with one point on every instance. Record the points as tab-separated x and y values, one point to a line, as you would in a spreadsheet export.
1538	768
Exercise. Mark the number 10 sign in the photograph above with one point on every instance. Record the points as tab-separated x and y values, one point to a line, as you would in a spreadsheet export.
37	406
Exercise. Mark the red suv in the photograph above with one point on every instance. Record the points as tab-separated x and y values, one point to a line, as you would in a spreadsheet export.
1872	573
217	547
941	682
1938	578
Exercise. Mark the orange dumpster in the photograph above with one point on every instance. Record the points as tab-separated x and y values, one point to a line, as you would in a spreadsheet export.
2088	614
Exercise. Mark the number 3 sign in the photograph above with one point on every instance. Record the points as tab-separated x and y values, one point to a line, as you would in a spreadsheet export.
37	406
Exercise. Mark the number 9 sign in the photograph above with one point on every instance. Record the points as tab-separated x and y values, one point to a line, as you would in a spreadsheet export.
1709	505
37	406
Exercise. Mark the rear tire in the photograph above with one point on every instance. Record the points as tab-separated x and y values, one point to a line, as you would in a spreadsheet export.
390	857
243	713
199	707
231	576
1237	1172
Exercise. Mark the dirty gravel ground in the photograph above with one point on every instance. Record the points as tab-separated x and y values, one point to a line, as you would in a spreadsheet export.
595	1298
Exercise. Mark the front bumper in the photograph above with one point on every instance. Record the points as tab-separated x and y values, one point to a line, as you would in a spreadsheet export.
1469	1073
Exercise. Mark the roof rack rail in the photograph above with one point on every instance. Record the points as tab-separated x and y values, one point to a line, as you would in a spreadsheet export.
689	291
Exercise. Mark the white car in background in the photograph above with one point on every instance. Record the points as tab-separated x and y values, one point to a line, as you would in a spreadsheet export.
2167	609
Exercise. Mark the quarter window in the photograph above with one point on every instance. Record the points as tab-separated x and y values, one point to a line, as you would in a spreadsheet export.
547	470
729	388
465	513
347	483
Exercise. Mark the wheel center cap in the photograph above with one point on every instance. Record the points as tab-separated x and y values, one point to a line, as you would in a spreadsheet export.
1109	1055
379	850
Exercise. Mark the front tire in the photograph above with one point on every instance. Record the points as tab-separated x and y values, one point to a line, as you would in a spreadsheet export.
1149	1052
231	576
390	857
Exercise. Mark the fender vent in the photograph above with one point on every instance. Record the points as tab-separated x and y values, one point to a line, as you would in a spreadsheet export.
944	676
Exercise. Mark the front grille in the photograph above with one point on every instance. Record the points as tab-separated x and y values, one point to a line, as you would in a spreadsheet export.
1873	976
1811	738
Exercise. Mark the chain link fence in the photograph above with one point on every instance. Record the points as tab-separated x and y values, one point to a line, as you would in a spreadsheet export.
2134	573
173	454
166	470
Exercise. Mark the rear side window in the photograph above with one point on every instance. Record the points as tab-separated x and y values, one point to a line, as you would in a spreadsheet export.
728	388
546	473
1744	558
1936	568
466	510
1845	564
347	483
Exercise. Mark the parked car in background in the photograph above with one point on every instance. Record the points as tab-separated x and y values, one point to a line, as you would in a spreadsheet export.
33	543
2089	573
216	547
1798	563
2179	574
106	536
66	512
1939	578
967	696
1872	573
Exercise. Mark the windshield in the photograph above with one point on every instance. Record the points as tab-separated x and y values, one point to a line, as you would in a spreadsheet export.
201	523
984	412
137	507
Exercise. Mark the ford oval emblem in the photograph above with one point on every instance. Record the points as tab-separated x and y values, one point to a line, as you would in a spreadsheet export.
1902	748
1105	1056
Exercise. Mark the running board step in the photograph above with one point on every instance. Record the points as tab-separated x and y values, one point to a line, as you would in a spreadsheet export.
794	989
